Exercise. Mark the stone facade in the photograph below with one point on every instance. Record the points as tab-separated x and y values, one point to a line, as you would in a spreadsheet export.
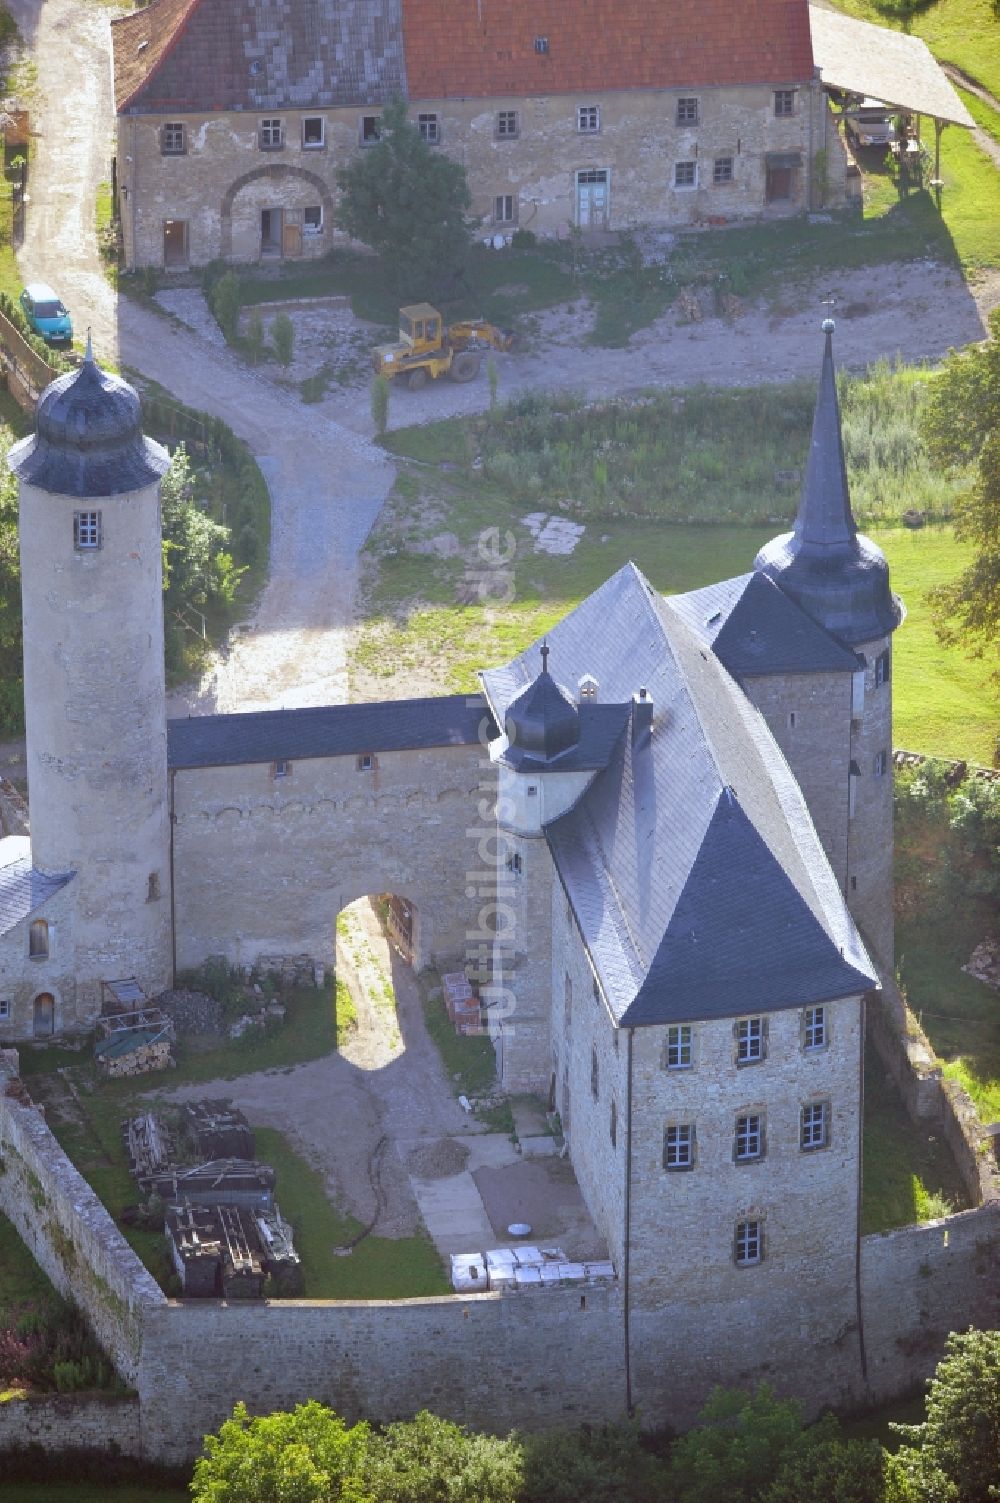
103	1423
25	978
264	863
195	185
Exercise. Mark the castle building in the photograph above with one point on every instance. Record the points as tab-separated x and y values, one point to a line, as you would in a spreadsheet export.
679	810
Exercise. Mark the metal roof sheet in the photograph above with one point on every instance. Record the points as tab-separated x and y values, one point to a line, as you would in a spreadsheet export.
328	731
879	63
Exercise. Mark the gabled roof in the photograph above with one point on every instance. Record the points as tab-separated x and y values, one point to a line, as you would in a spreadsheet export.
328	731
487	48
755	628
23	890
702	826
270	54
258	54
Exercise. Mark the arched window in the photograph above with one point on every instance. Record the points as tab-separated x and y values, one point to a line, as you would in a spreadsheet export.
38	939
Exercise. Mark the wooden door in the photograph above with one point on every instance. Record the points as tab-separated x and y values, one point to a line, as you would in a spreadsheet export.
291	240
44	1015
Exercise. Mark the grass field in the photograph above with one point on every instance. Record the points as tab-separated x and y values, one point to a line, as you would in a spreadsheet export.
963	32
908	1174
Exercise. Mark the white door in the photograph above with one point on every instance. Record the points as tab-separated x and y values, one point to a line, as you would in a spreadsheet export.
592	198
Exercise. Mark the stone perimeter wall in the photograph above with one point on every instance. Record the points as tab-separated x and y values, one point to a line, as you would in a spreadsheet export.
108	1423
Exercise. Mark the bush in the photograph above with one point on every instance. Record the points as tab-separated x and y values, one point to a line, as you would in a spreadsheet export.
590	1466
308	1456
380	404
255	336
836	1471
741	1444
226	300
523	239
431	1460
283	338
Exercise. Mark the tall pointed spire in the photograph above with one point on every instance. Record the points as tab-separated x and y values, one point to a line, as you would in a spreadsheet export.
837	576
825	519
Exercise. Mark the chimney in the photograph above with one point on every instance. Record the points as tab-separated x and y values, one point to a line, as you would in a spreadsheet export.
642	718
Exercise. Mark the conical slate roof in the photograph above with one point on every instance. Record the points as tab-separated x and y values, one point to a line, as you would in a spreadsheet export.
88	438
839	577
542	721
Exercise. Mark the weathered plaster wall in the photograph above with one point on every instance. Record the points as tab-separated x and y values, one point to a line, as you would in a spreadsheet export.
696	1315
69	1233
530	1359
23	977
263	864
638	143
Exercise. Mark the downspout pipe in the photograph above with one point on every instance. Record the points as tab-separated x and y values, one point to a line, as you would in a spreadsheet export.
626	1258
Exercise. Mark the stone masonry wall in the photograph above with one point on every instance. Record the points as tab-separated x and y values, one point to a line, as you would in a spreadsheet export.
223	179
69	1233
869	889
263	864
108	1423
920	1282
24	977
696	1317
530	1359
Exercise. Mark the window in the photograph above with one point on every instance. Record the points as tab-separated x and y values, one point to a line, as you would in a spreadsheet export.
687	112
38	940
588	119
568	999
506	124
313	132
613	1124
722	171
429	129
880	763
152	887
685	174
791	720
751	1041
86	530
281	768
541	44
505	209
748	1244
882	668
814	1028
814	1129
270	136
312	219
678	1051
678	1146
370	130
784	102
595	1080
367	762
532	790
748	1142
853	774
172	139
4	1009
514	863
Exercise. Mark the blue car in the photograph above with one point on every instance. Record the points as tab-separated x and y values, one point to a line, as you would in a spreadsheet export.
45	314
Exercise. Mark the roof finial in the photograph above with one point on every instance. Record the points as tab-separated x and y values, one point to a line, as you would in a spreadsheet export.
545	655
89	352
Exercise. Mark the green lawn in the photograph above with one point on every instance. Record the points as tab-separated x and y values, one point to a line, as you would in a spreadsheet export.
983	114
378	1268
21	1279
963	32
909	1175
469	1060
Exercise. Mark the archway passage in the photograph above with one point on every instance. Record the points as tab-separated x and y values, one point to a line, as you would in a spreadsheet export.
376	940
43	1015
284	188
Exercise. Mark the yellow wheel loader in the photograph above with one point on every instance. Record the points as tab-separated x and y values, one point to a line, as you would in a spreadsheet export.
428	349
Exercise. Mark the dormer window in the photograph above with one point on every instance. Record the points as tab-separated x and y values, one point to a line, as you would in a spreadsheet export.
588	687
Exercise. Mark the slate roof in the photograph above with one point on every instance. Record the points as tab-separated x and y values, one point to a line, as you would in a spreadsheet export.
329	731
179	55
755	628
485	48
23	890
600	728
691	862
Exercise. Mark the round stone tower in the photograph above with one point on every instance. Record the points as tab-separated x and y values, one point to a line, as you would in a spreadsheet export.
94	689
841	579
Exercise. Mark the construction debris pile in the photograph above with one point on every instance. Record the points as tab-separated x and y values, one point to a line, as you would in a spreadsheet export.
462	1003
523	1267
226	1235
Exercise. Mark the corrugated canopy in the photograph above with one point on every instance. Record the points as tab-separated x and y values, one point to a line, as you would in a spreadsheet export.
881	64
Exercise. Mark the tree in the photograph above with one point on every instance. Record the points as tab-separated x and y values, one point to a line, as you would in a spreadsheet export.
961	1434
380	403
739	1447
408	203
308	1456
832	1471
196	565
608	1465
431	1460
11	666
962	426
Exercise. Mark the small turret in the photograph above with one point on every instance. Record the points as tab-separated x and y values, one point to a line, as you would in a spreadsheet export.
839	577
542	722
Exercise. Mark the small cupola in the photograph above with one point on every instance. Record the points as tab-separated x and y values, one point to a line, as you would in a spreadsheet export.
542	722
88	438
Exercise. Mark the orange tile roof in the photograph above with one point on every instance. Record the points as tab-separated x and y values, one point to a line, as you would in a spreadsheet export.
141	41
483	48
